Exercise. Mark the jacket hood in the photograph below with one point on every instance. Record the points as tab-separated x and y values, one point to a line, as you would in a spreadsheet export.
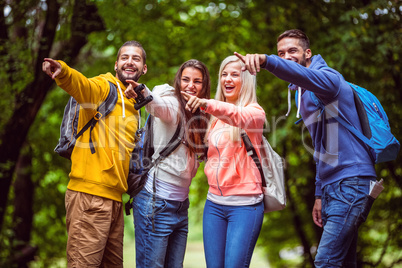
317	62
111	78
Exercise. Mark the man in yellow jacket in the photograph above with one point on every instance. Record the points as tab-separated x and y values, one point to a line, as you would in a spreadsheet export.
93	199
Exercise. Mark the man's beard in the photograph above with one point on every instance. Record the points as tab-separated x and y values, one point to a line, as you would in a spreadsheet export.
303	61
123	77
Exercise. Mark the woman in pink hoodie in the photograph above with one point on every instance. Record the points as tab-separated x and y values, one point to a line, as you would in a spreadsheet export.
233	210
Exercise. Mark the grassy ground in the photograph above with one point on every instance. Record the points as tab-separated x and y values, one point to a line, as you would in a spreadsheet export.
194	255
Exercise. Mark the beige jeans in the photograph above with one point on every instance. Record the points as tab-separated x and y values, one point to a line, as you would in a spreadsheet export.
95	228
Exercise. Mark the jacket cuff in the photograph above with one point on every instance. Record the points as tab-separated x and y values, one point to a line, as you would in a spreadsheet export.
266	62
318	191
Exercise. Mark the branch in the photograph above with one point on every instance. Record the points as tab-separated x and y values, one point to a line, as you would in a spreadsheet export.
384	248
85	20
396	262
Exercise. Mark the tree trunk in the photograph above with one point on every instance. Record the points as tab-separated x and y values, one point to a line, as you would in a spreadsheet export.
23	211
85	20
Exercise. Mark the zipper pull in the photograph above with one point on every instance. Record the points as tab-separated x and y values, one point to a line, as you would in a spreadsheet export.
375	107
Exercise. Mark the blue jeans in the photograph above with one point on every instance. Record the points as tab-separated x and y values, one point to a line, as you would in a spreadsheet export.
345	206
230	234
167	245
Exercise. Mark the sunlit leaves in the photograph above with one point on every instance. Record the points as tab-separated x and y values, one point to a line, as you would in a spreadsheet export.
362	41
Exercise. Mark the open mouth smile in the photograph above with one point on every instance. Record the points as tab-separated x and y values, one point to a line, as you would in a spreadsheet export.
191	92
229	89
130	70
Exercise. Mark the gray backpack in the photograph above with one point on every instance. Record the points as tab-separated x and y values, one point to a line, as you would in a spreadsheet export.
68	128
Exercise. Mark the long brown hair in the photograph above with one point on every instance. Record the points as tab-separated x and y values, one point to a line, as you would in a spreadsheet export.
195	123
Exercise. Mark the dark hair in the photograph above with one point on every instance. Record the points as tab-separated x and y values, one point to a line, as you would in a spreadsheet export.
296	33
196	123
133	44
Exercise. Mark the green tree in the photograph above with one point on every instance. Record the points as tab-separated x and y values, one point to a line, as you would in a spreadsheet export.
361	39
28	35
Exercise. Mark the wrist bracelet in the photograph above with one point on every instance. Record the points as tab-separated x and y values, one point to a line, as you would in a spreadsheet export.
203	109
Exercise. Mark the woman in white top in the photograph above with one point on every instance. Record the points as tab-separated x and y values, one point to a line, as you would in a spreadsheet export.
233	211
168	215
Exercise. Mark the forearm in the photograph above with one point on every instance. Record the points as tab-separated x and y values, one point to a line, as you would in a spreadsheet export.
84	90
164	106
323	81
250	117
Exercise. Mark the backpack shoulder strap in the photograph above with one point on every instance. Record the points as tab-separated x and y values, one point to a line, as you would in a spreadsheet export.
108	105
351	128
361	111
171	146
103	110
252	152
342	121
173	143
149	140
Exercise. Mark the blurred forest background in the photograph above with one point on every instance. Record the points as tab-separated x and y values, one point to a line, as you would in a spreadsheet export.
360	38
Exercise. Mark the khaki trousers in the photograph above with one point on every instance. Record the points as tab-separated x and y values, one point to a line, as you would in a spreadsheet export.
95	228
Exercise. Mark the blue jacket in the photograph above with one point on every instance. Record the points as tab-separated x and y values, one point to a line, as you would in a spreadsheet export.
337	152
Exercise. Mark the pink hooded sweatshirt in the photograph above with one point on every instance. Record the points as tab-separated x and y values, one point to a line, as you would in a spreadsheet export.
230	171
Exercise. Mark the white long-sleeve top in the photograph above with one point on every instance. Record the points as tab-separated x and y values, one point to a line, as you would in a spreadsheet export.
181	165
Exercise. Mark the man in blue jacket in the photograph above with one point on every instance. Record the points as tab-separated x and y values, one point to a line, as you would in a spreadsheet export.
344	165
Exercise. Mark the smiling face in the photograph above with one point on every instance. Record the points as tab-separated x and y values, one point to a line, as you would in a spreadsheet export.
191	81
130	64
289	48
231	82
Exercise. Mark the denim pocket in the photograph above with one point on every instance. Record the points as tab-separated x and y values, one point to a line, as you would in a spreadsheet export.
366	207
160	206
348	191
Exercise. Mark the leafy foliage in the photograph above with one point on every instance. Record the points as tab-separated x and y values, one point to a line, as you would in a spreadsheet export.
361	39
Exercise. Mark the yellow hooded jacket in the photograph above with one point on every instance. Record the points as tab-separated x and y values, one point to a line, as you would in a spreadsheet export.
103	173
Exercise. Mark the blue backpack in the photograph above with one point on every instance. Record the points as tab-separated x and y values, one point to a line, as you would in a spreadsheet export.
376	132
141	157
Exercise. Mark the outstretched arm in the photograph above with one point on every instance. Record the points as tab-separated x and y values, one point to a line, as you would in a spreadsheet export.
252	62
51	67
250	117
323	81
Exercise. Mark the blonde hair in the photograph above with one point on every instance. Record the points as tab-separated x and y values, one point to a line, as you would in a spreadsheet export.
247	94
